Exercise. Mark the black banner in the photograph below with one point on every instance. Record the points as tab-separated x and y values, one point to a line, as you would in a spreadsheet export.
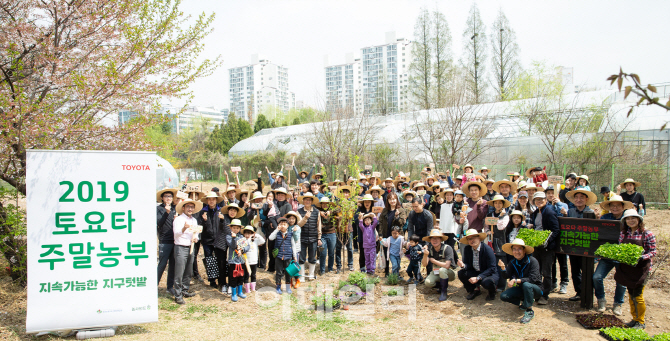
582	237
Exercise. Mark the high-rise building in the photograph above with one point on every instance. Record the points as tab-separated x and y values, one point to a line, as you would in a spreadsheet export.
385	75
257	86
376	83
343	84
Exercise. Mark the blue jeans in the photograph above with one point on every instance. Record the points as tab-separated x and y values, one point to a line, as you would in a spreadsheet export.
603	268
526	292
395	264
414	269
346	239
328	241
166	258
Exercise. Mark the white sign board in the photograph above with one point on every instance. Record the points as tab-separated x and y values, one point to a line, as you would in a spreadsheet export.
91	239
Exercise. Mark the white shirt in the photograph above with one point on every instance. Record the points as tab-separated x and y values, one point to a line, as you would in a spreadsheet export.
183	239
252	254
447	223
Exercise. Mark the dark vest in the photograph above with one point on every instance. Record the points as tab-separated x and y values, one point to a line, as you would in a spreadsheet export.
284	245
309	233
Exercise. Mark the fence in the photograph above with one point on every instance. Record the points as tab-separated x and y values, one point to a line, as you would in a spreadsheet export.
654	178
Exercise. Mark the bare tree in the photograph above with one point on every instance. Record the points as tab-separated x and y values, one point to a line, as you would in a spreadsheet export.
338	135
474	61
458	133
505	56
420	69
441	46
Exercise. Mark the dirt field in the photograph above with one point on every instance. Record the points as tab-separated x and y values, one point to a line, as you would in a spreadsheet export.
211	316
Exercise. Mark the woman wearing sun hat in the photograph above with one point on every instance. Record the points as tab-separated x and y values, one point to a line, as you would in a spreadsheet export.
634	277
631	194
497	232
280	181
616	206
524	284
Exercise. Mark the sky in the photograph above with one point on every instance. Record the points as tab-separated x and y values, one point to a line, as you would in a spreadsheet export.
593	37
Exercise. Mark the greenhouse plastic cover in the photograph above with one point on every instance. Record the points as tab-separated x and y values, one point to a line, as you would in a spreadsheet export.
166	176
391	128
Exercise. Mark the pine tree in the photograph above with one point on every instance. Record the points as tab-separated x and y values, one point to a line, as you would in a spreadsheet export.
420	69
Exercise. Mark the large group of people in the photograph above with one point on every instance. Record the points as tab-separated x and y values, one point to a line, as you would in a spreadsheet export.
438	222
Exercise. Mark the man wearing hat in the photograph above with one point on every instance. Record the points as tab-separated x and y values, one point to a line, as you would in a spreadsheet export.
616	206
329	222
310	234
580	199
544	219
165	215
631	194
524	285
302	176
490	192
507	189
478	206
184	236
437	258
209	219
561	210
478	266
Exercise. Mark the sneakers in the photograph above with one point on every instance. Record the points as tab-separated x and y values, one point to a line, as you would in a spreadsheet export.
471	296
617	309
224	289
527	316
338	271
491	296
564	288
542	301
179	300
554	286
230	291
279	292
171	291
288	289
575	298
636	325
188	294
602	305
351	268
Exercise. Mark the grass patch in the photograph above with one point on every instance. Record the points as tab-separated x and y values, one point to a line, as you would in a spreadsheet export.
167	304
200	311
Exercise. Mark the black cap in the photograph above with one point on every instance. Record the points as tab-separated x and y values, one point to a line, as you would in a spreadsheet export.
604	190
215	189
282	219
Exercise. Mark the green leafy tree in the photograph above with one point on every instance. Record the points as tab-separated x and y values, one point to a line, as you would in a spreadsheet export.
296	121
261	123
244	129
